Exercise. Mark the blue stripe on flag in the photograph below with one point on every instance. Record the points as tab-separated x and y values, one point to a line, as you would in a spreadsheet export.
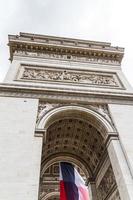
71	191
68	176
67	170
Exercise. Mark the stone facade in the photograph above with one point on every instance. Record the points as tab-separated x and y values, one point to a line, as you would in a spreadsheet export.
65	100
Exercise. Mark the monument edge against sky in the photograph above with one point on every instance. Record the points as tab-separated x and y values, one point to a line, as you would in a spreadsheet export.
56	82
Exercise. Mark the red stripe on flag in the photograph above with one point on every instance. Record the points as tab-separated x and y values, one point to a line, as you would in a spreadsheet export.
62	191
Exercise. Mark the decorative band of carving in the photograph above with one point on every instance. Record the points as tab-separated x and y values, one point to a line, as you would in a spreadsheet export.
75	58
45	107
29	73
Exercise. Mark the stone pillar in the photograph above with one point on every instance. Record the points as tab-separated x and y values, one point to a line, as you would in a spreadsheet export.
92	190
20	150
121	170
122	116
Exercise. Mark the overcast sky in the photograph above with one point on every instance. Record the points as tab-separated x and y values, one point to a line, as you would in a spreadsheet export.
101	20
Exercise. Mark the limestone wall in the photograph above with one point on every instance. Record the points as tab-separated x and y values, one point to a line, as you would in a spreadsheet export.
20	150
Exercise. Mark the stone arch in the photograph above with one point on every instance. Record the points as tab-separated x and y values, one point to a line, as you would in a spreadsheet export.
105	127
58	158
50	195
89	153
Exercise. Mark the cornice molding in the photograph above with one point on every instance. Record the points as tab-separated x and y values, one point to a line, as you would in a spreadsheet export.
60	95
64	46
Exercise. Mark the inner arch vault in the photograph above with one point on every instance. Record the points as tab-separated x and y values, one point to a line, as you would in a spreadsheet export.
74	134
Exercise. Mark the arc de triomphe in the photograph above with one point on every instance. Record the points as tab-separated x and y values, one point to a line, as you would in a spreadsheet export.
65	100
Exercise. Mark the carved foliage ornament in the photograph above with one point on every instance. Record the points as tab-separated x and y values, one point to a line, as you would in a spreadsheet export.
45	107
70	76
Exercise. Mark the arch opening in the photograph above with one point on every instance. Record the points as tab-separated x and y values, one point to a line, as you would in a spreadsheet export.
49	187
77	136
80	112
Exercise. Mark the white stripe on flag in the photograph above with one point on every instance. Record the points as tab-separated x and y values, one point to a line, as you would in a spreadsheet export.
82	188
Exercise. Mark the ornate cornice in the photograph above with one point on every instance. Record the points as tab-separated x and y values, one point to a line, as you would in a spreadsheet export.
91	50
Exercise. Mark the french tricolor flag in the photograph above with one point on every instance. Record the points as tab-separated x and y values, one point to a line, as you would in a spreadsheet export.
72	185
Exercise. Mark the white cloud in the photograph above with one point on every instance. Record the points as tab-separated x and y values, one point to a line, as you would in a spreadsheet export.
87	19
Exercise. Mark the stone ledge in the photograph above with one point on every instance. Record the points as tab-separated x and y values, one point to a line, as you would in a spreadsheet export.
52	94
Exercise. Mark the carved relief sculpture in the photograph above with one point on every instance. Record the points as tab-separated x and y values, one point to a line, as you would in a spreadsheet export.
90	78
107	184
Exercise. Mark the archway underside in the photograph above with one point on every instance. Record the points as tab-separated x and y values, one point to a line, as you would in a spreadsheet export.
79	142
76	138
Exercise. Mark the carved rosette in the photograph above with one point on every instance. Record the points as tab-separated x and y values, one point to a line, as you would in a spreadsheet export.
90	78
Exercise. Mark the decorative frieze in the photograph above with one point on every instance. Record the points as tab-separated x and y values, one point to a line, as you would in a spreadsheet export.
91	78
67	57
